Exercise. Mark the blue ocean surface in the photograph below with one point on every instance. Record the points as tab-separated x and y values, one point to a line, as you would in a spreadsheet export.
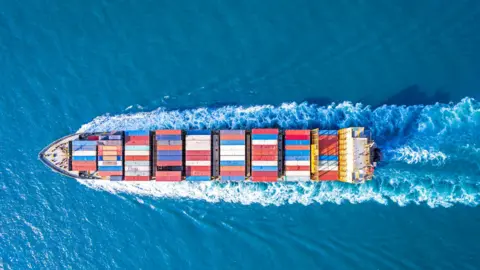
408	70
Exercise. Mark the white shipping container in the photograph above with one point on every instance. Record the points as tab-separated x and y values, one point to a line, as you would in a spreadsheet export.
328	162
198	138
232	153
198	163
137	163
297	173
84	153
232	157
297	178
198	147
232	147
136	173
137	153
197	143
137	168
297	163
264	142
110	163
327	168
264	163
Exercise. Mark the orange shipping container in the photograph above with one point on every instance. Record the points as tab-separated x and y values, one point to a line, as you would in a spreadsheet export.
232	168
169	147
232	137
137	158
297	132
297	168
168	132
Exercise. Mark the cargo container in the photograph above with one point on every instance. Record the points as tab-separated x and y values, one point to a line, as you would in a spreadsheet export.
348	155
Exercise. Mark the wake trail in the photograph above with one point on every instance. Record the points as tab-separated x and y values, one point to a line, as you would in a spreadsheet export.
431	152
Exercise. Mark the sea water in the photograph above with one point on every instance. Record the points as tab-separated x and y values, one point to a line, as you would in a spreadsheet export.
407	70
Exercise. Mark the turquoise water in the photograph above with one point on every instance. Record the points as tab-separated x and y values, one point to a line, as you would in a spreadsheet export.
104	65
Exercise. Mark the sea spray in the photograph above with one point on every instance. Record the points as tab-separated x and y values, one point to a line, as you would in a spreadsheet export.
430	152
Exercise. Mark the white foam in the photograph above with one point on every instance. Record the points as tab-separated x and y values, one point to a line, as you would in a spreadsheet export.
412	135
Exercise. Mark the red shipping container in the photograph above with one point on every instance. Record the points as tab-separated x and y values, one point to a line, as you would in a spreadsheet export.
265	158
198	168
264	152
297	147
264	147
169	163
197	173
198	152
168	132
297	137
297	168
138	138
328	137
168	179
269	174
265	131
297	132
169	147
264	179
136	178
234	137
237	173
92	138
137	158
110	173
198	158
168	173
137	143
328	175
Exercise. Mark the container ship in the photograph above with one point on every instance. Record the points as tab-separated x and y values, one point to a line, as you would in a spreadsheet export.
258	155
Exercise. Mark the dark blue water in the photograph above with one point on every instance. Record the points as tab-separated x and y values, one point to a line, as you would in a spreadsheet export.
87	65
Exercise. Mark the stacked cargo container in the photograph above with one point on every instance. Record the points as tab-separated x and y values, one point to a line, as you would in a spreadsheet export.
198	155
328	155
110	152
264	155
232	155
84	155
137	155
169	155
297	155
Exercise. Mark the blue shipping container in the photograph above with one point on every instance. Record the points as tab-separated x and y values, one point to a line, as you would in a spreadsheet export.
236	132
297	142
84	158
169	142
169	152
327	157
198	178
76	142
168	137
232	142
232	163
264	137
233	178
297	157
109	168
265	168
169	158
328	132
137	133
116	178
84	147
199	132
297	152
